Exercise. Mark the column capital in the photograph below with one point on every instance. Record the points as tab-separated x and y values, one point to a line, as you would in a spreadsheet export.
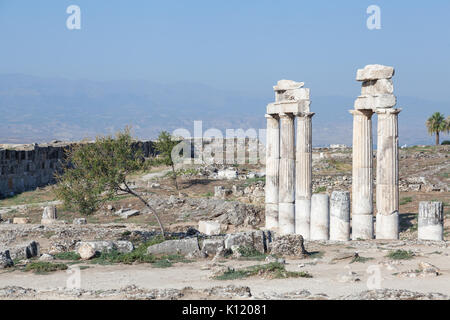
304	114
359	112
388	111
283	115
272	116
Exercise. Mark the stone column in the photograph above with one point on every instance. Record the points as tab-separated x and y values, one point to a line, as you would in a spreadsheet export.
431	221
387	174
320	217
303	174
340	216
286	210
272	170
362	178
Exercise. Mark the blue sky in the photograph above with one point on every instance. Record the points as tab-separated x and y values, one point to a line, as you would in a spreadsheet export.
235	45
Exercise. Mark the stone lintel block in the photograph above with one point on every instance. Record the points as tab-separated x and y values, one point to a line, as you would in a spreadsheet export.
289	107
376	87
375	72
283	85
388	111
374	102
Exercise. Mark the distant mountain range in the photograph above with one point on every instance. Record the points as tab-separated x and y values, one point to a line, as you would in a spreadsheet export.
34	109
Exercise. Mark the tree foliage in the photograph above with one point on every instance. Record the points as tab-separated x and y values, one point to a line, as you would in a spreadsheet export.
95	173
164	145
437	124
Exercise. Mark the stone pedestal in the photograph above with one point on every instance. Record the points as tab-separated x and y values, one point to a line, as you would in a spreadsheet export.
387	174
320	217
272	171
286	214
340	216
303	174
431	221
49	215
362	179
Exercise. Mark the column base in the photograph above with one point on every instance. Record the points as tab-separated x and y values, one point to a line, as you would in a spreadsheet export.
387	226
339	229
303	217
431	232
271	216
286	218
362	227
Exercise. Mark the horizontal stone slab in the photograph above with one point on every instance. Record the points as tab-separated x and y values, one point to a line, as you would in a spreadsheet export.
375	72
289	107
377	87
375	102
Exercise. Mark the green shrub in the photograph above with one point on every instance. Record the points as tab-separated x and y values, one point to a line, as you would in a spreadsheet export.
45	267
400	255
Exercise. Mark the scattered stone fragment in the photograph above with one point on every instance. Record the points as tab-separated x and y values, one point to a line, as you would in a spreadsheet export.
183	246
5	260
79	221
46	257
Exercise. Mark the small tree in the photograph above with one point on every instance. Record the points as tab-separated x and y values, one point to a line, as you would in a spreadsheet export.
96	172
164	145
436	124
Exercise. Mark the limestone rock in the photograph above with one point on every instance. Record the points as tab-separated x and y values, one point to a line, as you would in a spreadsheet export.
5	260
86	251
250	239
183	246
228	174
288	245
377	87
382	101
127	213
210	228
21	220
79	221
107	246
212	246
46	257
375	72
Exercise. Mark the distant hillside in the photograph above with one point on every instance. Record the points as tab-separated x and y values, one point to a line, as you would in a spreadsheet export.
37	109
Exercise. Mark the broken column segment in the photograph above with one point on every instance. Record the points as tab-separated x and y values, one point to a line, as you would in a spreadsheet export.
340	216
431	221
320	217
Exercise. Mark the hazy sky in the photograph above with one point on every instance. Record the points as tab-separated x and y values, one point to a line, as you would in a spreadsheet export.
233	44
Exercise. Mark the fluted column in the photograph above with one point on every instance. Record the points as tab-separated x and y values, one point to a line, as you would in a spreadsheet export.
362	178
387	174
272	170
286	210
303	174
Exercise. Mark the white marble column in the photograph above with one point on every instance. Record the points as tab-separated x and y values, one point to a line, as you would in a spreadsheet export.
340	216
362	178
303	174
320	217
431	221
286	210
387	224
272	170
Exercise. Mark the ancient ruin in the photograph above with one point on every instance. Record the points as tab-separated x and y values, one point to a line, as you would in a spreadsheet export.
288	159
289	163
376	97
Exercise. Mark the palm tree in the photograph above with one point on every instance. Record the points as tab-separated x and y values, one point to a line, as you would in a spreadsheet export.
436	124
